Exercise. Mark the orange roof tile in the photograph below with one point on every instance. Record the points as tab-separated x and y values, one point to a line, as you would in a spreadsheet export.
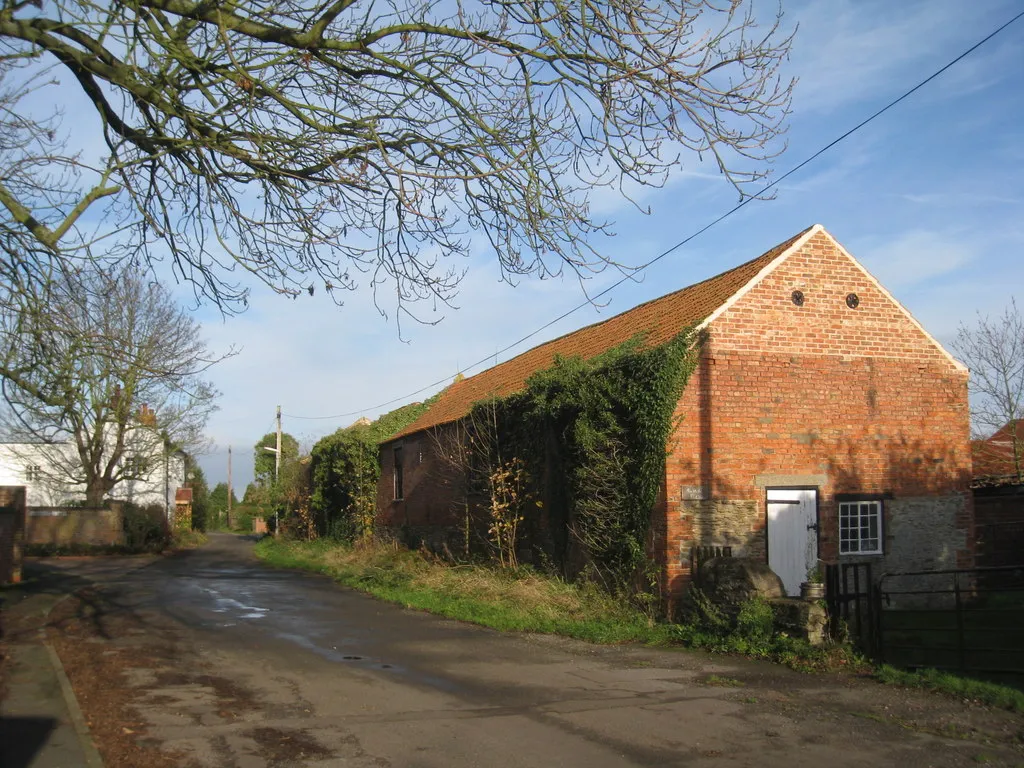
659	319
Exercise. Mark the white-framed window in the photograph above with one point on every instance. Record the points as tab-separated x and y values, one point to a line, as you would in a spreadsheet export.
33	472
860	527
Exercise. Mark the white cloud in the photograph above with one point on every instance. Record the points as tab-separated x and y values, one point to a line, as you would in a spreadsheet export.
916	256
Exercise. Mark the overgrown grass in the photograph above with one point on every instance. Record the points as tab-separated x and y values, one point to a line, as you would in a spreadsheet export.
188	539
525	601
993	694
752	633
517	601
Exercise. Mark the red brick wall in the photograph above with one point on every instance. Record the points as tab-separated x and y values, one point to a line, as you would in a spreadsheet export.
860	399
429	511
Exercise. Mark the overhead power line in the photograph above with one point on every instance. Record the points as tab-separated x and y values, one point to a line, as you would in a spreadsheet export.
757	195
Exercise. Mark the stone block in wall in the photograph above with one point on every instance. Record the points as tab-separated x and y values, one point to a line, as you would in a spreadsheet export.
925	533
728	582
726	523
800	618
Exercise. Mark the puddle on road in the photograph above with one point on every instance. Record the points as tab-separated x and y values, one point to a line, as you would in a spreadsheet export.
224	604
239	610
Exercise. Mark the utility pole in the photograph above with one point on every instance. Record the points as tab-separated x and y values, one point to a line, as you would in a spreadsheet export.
277	455
277	461
229	488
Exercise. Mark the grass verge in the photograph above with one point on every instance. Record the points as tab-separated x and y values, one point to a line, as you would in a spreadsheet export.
188	539
517	601
993	694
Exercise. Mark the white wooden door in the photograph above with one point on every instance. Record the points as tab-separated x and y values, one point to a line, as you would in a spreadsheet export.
792	535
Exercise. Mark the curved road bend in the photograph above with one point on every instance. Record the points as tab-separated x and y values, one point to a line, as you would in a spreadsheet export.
358	682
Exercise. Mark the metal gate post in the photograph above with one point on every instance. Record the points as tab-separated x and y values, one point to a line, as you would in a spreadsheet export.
961	649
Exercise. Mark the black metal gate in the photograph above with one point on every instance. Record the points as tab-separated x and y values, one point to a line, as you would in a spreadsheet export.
851	607
970	621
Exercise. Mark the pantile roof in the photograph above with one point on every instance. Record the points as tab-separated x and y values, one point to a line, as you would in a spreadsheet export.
659	320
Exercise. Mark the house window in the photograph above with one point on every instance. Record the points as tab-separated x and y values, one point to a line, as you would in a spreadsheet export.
33	472
399	475
136	466
860	528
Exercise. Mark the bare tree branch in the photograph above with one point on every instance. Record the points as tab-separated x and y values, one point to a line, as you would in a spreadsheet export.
309	144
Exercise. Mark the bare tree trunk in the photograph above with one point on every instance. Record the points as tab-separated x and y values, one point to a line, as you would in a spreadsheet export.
95	491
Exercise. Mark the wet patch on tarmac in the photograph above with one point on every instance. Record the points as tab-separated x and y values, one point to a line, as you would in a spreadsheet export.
283	746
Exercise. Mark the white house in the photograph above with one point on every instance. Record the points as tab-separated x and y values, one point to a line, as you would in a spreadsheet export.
41	470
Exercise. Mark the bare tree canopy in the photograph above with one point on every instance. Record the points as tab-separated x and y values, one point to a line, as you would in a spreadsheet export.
311	143
110	366
993	350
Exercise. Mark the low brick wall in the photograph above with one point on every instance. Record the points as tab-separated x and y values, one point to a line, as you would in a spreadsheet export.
12	528
61	526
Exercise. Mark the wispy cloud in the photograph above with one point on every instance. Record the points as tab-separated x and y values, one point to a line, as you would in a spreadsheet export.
851	50
916	256
959	199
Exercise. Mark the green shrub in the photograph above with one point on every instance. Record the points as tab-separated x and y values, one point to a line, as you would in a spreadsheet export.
755	621
145	528
242	515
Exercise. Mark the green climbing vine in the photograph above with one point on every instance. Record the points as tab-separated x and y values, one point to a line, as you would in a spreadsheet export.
592	435
345	469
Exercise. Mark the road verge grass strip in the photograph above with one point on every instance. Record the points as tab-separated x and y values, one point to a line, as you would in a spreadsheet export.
993	694
510	601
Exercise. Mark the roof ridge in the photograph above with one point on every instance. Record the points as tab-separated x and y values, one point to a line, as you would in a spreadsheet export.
452	405
643	304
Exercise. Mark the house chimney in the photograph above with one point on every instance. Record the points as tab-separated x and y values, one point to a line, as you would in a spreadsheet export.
147	417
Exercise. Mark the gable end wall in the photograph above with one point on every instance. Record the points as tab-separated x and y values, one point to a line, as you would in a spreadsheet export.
845	400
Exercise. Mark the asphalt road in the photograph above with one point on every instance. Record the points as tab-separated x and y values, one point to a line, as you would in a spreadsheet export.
287	668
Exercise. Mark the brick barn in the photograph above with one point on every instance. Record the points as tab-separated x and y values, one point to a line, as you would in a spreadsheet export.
822	422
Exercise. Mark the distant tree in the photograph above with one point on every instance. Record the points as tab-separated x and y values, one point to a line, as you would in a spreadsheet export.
993	349
219	503
264	460
310	141
108	362
252	494
195	479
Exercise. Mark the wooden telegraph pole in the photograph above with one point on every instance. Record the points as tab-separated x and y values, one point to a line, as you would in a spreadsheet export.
229	488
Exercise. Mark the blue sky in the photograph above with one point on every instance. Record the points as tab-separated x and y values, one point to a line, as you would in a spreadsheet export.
929	197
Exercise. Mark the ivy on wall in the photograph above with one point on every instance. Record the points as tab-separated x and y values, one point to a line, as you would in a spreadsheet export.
592	435
345	469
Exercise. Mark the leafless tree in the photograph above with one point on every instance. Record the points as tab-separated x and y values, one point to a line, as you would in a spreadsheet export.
468	454
309	142
993	349
104	374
